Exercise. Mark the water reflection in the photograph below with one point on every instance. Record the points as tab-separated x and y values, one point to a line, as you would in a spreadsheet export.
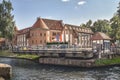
28	70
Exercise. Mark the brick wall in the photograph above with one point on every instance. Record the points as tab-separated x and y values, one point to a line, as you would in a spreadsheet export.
38	37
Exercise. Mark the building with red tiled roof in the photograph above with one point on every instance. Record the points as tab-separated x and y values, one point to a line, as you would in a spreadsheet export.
23	37
41	32
40	24
101	42
77	35
100	36
48	30
54	24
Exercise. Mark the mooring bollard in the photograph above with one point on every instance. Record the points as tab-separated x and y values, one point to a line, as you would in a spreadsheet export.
5	71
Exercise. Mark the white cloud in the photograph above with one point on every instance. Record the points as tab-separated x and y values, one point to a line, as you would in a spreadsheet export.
81	2
65	0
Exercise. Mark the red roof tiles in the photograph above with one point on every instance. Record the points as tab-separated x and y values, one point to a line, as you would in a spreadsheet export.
80	29
23	31
100	36
48	24
40	24
53	24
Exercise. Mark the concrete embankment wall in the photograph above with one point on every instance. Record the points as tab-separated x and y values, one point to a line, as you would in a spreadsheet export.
5	71
67	62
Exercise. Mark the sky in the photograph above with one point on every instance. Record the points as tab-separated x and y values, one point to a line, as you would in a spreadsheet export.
73	12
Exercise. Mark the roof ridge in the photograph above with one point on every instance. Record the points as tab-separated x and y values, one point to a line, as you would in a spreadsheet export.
72	25
100	36
24	28
52	19
40	23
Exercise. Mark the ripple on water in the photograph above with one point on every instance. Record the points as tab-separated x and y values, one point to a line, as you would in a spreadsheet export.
28	70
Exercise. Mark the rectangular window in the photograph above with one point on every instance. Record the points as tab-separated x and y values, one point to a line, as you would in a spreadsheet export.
44	34
36	41
32	34
44	41
54	33
40	34
32	41
40	41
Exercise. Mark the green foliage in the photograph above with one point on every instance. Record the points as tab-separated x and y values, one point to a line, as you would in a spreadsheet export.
7	53
118	11
102	26
51	43
99	26
83	25
115	60
87	25
27	56
6	19
115	25
110	27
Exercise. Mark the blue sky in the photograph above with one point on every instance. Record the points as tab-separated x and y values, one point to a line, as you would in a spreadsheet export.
73	12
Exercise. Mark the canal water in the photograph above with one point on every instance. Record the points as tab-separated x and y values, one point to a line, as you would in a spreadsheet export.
28	70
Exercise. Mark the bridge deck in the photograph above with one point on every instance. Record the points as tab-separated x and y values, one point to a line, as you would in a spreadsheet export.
58	52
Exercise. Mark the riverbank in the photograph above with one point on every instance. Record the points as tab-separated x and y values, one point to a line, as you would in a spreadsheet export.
28	70
97	62
113	61
7	53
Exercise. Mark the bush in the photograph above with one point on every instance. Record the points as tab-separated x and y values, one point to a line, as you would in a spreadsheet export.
55	43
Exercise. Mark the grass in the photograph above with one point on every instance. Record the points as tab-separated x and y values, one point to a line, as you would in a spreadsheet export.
115	60
7	53
28	56
99	62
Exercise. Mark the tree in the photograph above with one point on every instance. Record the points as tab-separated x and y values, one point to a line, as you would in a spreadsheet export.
115	25
83	25
87	25
6	20
102	26
118	11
